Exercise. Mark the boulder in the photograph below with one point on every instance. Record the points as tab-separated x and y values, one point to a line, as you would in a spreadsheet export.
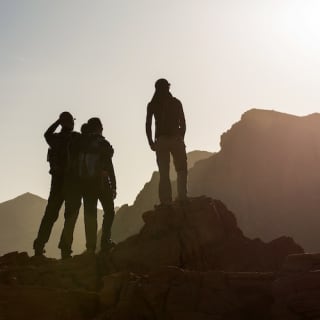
201	234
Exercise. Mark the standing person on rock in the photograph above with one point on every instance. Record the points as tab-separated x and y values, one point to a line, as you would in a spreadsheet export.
170	128
98	183
64	186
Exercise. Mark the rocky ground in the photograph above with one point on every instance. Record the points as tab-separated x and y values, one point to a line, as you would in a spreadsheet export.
189	261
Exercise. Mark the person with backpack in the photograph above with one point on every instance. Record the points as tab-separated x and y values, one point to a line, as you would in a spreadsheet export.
64	186
170	128
98	182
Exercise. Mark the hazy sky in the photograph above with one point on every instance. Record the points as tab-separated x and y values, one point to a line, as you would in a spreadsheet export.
101	58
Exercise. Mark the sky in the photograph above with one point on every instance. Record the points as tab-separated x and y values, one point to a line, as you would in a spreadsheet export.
102	57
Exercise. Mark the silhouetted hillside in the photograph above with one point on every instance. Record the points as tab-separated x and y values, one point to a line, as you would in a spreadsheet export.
128	220
268	174
20	219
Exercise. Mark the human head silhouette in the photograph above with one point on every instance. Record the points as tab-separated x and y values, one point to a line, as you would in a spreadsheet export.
162	85
84	129
94	125
66	120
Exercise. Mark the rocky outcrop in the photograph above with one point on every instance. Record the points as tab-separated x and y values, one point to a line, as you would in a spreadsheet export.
199	235
128	220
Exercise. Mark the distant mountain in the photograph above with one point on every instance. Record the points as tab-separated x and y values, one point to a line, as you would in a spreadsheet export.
128	220
19	222
268	174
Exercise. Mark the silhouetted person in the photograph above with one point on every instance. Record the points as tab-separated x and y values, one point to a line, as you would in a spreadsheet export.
170	128
64	186
99	183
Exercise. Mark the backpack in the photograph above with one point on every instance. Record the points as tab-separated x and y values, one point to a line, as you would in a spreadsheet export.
89	158
58	154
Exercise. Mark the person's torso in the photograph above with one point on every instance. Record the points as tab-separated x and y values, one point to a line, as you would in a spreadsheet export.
167	117
92	154
60	153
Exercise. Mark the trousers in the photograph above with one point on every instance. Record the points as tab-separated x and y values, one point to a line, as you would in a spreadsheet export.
92	192
62	190
166	145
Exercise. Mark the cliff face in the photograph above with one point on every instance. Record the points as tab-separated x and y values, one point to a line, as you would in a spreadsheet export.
267	172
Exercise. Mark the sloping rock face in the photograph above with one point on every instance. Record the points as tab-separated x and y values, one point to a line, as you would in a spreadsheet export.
267	173
199	235
128	220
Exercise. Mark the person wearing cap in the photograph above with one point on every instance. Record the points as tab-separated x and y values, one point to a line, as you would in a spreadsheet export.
64	187
170	129
98	182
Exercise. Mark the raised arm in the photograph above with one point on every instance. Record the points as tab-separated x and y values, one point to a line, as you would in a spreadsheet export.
49	134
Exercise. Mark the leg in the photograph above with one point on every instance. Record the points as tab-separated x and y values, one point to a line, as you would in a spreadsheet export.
72	207
90	201
55	201
163	160
179	155
106	201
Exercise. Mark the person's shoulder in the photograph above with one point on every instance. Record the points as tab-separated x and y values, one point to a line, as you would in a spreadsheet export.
53	138
107	145
75	135
176	102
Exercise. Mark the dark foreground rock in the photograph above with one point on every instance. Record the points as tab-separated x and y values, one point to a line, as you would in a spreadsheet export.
200	235
189	261
28	302
172	293
297	288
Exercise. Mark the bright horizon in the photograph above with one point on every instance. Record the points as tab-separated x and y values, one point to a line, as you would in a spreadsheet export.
101	58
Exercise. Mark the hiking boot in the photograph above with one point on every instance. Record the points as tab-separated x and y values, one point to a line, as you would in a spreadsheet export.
85	257
164	205
39	252
89	252
183	201
107	247
65	255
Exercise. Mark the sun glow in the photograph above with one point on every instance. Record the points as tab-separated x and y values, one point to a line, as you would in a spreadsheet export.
303	19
